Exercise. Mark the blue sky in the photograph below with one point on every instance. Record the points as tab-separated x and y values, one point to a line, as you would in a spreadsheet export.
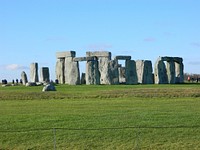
34	30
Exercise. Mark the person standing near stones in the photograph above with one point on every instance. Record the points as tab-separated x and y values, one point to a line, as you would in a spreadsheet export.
188	78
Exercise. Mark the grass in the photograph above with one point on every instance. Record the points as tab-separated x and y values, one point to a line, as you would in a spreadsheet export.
101	117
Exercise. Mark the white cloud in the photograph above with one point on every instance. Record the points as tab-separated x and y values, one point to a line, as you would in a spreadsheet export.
14	67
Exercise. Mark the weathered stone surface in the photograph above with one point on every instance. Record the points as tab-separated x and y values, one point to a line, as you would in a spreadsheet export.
61	55
48	87
92	72
174	70
85	58
144	71
34	72
83	78
60	71
24	78
122	75
160	73
99	54
44	74
113	72
148	72
79	59
104	70
131	74
171	71
179	72
103	57
72	74
122	57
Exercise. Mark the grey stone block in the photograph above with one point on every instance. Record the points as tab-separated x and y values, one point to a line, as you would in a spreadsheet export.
65	54
122	57
34	72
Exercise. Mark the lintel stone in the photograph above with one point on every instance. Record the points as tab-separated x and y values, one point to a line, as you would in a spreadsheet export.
65	54
178	59
99	54
84	58
122	58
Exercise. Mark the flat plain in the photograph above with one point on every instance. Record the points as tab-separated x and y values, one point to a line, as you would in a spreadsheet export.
100	117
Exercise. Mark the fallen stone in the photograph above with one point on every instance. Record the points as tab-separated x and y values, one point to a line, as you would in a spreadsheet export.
31	84
48	87
39	83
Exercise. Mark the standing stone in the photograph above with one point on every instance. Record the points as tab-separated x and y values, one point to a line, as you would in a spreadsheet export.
144	71
113	72
171	72
24	78
104	70
34	72
83	78
44	74
179	72
92	72
122	75
72	73
131	74
148	72
60	70
160	72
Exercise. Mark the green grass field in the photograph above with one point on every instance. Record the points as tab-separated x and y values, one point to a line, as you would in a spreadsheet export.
101	117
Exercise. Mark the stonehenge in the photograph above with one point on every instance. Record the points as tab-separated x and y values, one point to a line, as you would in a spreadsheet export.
102	69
